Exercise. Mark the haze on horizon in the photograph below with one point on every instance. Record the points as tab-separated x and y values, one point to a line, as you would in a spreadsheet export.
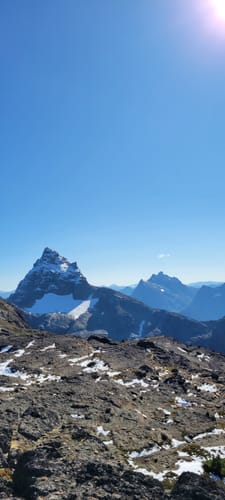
112	138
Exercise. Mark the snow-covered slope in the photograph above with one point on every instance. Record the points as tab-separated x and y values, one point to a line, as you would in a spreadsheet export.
52	282
52	302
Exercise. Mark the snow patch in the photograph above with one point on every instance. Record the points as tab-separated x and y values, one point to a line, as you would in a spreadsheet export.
6	389
8	372
203	357
194	465
216	450
100	430
142	414
132	383
83	307
51	302
98	366
30	344
208	387
141	328
215	432
19	353
48	347
144	453
175	443
182	402
182	350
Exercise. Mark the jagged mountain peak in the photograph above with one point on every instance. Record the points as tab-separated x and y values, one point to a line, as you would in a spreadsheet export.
51	275
161	278
164	292
53	261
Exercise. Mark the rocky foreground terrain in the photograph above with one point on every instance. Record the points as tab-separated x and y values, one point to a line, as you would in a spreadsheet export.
87	419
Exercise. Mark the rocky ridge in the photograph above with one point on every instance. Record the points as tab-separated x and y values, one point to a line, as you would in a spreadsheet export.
95	418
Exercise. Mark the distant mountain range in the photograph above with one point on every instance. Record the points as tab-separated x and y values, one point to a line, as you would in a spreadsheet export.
5	295
128	290
55	296
208	304
164	292
212	284
56	286
202	301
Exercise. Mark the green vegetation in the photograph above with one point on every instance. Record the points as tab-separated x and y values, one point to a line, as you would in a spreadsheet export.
168	483
215	465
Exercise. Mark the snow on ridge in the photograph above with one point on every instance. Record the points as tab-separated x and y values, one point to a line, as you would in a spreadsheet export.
50	265
52	261
63	268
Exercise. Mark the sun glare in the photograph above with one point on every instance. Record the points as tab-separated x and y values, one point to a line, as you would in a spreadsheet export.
219	6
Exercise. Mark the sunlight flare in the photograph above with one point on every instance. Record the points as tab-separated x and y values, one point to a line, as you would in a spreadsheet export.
219	8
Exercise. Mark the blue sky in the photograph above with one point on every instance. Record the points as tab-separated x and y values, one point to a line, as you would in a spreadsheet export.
112	131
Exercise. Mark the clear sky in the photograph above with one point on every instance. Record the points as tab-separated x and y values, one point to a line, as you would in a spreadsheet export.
112	137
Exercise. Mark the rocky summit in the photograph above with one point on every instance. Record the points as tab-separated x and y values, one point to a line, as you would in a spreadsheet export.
51	274
98	419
